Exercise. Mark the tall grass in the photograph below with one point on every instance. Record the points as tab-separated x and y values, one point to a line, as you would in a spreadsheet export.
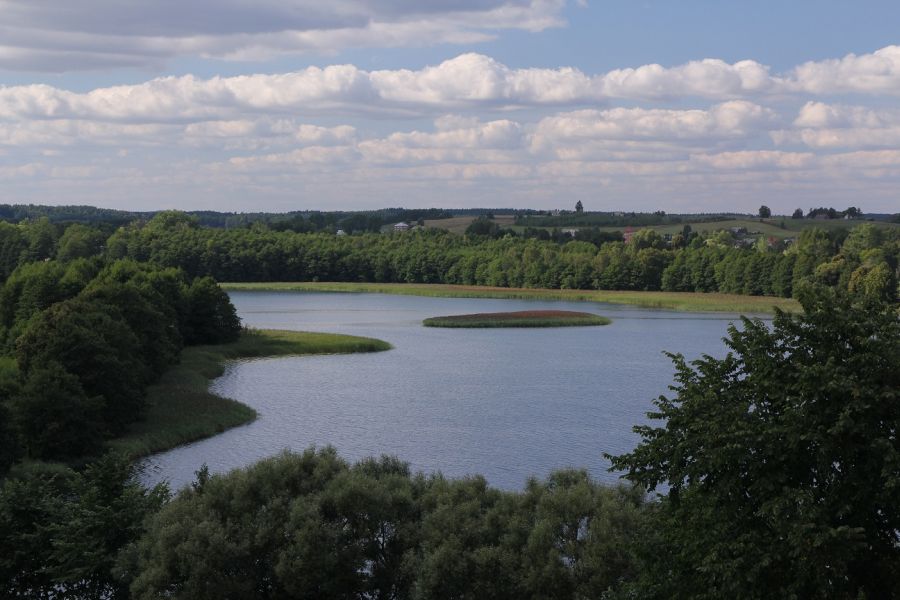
181	408
686	301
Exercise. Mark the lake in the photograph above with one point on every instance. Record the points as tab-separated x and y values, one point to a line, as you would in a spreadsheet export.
504	403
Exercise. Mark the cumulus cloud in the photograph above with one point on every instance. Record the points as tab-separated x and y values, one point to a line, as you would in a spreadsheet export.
475	78
651	135
59	36
829	126
728	119
703	129
710	78
469	80
464	82
875	73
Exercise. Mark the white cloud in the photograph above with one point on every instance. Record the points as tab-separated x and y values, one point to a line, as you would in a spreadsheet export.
755	160
875	73
872	159
475	78
468	81
334	132
729	119
821	115
829	126
710	78
60	36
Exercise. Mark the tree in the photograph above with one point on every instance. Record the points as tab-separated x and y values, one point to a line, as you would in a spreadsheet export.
9	445
12	245
292	526
579	207
483	226
92	341
62	530
54	417
157	331
212	318
79	241
41	237
798	214
764	212
781	459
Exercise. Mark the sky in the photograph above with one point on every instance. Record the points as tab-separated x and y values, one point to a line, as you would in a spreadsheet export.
279	105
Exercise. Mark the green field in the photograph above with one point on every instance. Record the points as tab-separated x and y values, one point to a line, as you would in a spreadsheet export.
459	224
687	301
522	318
755	227
181	408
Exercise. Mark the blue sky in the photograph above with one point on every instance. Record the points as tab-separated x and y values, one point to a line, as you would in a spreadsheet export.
243	105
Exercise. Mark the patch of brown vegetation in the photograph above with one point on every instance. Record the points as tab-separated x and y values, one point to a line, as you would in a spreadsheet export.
528	314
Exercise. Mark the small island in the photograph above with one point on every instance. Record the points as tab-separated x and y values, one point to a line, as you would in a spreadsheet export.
523	318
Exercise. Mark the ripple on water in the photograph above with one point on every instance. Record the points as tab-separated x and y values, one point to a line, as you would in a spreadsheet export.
505	403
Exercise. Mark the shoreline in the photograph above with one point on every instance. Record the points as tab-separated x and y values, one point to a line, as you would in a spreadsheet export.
180	407
683	301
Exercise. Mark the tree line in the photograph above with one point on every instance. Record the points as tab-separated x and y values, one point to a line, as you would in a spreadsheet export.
299	221
777	468
864	257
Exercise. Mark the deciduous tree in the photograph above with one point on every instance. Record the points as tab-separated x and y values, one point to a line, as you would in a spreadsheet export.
782	459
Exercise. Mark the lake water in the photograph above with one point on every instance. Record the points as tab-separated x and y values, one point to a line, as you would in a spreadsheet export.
505	403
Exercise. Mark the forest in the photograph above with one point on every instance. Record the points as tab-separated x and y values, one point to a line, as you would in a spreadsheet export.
773	472
864	256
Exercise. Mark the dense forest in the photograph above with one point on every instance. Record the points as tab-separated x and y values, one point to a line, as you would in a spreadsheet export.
865	256
777	465
305	248
301	221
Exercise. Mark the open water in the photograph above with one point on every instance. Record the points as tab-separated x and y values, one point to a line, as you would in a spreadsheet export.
505	403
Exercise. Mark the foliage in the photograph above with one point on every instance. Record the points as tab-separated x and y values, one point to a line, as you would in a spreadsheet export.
54	416
9	444
489	256
781	459
65	530
92	341
303	247
212	318
86	339
311	526
80	241
484	226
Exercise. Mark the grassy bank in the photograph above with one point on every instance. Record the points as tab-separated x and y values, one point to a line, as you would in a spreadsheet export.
522	318
688	301
181	408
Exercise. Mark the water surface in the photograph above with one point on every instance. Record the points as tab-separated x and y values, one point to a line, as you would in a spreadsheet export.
505	403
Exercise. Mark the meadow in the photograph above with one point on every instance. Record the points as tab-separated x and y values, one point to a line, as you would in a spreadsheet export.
686	301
